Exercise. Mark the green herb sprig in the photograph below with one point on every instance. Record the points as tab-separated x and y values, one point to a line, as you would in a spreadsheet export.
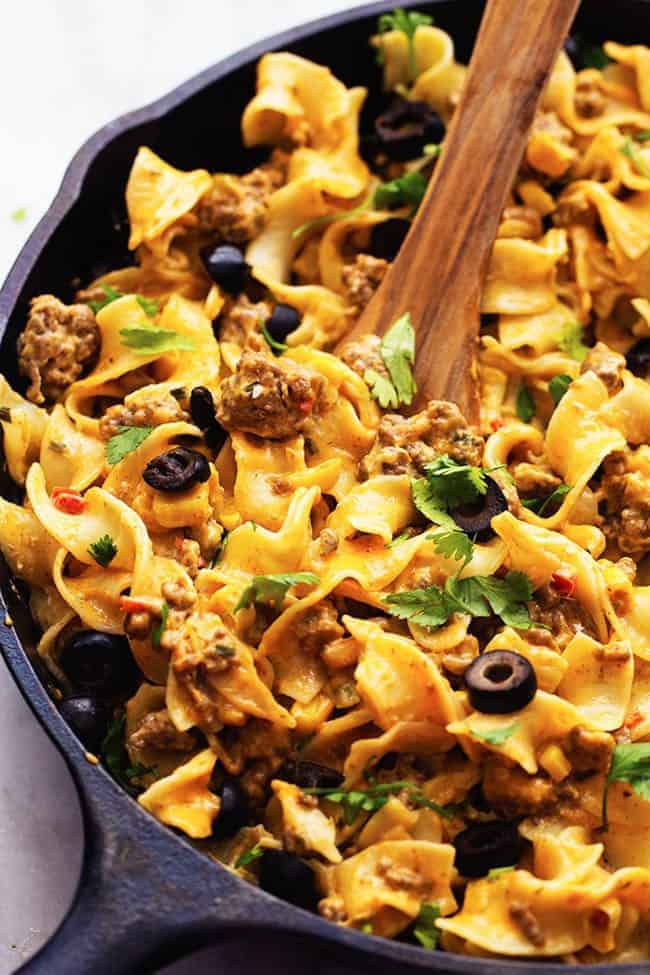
425	930
525	404
125	441
397	350
117	760
571	341
630	763
271	589
558	386
407	22
103	550
354	802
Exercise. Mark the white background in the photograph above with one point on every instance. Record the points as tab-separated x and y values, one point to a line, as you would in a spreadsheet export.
66	68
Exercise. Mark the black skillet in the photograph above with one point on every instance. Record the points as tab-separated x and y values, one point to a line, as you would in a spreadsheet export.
145	896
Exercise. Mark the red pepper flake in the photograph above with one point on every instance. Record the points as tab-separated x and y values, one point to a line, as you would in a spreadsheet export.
306	405
68	501
129	605
496	424
564	583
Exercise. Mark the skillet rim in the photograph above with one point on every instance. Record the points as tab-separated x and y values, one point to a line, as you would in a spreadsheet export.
34	690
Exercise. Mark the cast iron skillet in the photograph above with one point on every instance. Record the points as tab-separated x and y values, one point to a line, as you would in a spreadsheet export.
146	897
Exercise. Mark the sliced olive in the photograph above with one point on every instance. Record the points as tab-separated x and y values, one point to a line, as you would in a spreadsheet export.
387	237
284	320
88	718
309	775
406	127
227	267
288	877
485	846
176	470
500	682
101	663
637	358
476	520
202	411
234	812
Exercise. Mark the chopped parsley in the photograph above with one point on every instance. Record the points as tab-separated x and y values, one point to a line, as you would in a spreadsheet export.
277	348
407	22
159	628
478	596
406	190
525	404
540	505
248	856
397	350
631	151
127	440
148	340
499	736
103	550
354	802
117	759
558	386
630	763
271	589
110	294
570	341
425	930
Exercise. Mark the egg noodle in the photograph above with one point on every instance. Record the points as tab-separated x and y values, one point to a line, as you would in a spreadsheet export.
305	570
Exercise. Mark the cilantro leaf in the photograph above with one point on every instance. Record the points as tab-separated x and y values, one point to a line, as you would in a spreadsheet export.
631	151
271	589
329	218
406	190
499	736
525	404
497	872
381	389
539	505
454	544
356	801
425	607
117	760
427	502
398	352
407	22
593	56
277	348
148	340
425	929
402	537
248	856
558	386
643	136
432	149
455	484
466	596
110	294
159	628
128	439
149	305
103	550
570	341
630	763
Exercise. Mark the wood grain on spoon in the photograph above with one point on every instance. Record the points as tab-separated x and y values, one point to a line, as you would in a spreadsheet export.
439	272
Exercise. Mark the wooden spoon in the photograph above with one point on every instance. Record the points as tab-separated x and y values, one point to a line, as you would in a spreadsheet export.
438	274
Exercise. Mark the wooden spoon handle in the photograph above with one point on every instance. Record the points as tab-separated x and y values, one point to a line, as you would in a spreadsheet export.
439	272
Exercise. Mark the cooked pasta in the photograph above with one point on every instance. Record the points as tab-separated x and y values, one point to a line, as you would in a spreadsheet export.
391	667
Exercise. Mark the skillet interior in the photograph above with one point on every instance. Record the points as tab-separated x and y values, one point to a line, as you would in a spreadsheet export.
85	233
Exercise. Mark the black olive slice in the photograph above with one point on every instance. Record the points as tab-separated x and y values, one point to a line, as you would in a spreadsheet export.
406	127
88	718
101	663
176	470
234	812
387	237
476	522
288	877
500	682
637	358
486	846
227	267
284	320
309	775
202	411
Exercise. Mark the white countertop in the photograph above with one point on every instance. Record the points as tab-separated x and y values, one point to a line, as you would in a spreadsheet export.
66	68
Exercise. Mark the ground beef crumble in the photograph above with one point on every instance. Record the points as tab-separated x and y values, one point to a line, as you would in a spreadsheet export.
564	617
58	343
142	411
235	207
364	353
362	278
625	503
269	397
317	627
241	318
157	731
606	364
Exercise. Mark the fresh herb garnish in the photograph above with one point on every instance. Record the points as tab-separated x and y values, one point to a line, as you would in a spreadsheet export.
402	537
356	801
425	929
643	136
540	505
5	414
103	550
407	22
19	215
406	190
110	294
432	149
397	350
249	856
149	305
148	340
631	764
525	404
272	589
329	218
221	548
117	759
497	872
497	737
127	440
159	628
276	347
478	596
593	56
454	544
558	386
629	150
570	341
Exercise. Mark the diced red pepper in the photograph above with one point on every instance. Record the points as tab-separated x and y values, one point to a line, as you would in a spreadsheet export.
68	501
564	583
129	605
634	719
496	424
